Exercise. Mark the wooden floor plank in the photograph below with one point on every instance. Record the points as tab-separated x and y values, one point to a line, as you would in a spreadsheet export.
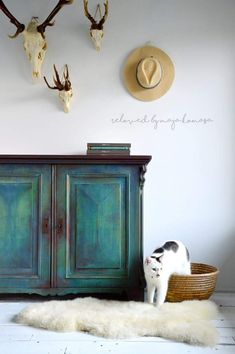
226	299
108	347
28	340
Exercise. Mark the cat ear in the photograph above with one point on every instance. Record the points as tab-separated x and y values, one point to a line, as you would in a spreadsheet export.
147	260
159	259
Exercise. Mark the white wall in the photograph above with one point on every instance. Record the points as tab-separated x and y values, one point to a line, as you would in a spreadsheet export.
190	184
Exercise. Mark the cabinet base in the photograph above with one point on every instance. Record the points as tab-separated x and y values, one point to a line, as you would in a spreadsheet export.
130	294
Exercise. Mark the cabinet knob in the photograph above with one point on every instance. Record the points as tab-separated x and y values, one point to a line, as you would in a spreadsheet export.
45	226
60	226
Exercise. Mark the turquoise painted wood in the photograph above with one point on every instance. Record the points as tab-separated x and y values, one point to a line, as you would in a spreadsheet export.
98	207
25	201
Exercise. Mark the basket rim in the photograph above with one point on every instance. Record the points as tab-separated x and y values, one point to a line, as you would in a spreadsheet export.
213	272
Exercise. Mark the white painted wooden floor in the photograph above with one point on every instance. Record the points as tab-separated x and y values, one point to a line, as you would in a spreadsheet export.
19	339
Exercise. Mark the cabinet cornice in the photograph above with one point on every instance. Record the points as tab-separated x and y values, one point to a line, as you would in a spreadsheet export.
77	159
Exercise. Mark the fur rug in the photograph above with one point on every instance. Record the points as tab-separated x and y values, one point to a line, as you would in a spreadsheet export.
188	321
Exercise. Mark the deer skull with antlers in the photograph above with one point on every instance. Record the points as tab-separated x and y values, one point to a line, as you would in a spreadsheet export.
97	27
35	43
64	86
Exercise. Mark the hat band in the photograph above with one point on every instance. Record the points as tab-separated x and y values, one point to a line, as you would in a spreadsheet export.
146	72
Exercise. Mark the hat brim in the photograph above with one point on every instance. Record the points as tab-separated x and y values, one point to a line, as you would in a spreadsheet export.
131	82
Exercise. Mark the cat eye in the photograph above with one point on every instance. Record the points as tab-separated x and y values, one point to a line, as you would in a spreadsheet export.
154	269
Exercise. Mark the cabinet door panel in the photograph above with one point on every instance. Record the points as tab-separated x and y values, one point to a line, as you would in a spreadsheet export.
99	214
94	250
24	250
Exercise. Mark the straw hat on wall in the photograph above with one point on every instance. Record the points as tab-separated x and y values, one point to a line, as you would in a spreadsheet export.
148	73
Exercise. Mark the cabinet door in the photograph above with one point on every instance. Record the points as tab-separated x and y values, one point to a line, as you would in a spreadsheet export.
98	231
25	204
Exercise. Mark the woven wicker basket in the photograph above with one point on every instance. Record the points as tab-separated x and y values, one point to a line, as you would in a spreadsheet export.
197	286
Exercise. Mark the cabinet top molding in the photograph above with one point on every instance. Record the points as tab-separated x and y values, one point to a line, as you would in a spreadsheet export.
77	159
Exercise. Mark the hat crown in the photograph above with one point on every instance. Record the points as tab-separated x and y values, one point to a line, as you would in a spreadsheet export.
149	72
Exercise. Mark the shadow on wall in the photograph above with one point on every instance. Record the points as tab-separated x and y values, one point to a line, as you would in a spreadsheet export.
226	265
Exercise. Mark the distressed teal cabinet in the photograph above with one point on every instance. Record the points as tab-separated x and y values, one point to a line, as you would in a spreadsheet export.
71	224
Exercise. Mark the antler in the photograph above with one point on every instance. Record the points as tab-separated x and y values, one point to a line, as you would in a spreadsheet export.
67	82
41	28
102	21
20	26
58	84
95	24
87	14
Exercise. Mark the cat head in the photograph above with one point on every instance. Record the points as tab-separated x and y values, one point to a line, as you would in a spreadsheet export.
153	266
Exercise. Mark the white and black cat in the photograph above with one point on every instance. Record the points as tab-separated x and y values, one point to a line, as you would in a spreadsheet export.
172	257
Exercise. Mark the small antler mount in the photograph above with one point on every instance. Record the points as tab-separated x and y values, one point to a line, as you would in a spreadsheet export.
97	26
63	85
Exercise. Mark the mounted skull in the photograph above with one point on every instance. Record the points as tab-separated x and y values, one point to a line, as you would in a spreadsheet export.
64	86
35	47
97	27
35	43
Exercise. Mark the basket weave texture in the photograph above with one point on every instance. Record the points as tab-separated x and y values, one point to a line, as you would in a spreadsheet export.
197	286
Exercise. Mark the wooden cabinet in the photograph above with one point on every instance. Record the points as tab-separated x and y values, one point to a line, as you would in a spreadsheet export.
71	224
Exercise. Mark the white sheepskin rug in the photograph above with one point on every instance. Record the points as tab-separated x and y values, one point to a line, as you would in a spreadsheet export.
188	321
